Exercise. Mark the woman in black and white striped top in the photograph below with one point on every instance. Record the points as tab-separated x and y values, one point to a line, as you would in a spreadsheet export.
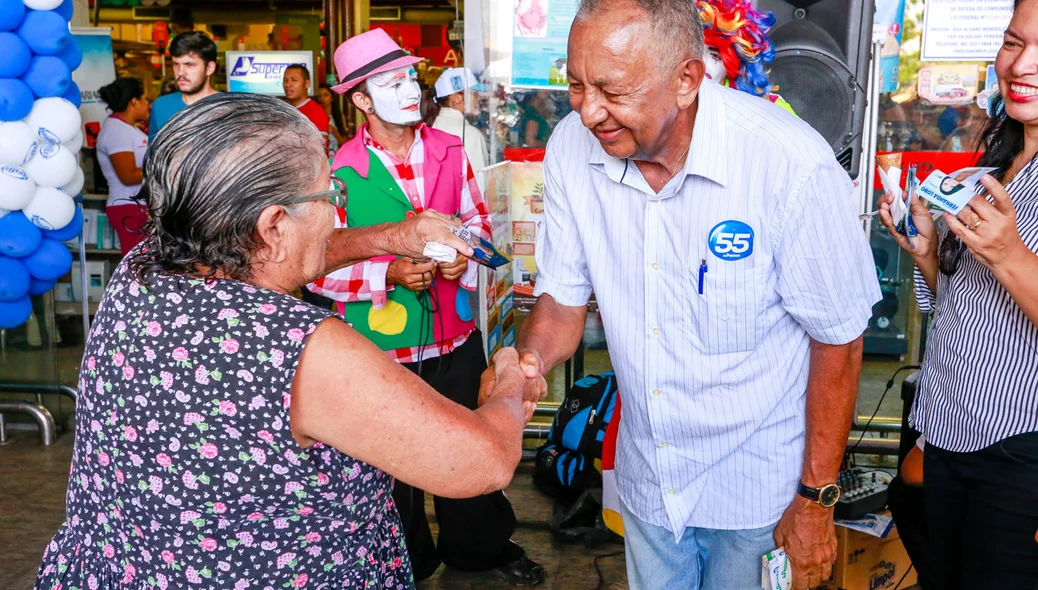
977	403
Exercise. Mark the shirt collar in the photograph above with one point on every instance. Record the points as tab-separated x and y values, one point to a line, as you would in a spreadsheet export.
707	156
452	114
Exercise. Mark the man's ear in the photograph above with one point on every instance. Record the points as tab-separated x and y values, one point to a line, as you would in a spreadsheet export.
690	77
210	68
361	102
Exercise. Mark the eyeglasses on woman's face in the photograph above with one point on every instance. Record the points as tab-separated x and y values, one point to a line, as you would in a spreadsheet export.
336	195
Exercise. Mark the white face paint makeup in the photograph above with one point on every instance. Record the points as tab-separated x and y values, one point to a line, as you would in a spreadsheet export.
714	66
396	96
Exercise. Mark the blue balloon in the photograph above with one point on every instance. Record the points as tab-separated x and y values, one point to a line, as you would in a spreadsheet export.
17	238
15	98
12	12
71	230
41	287
71	54
14	279
16	55
72	95
47	76
65	10
44	31
15	313
51	261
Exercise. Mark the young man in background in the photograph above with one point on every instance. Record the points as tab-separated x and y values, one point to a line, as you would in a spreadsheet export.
194	61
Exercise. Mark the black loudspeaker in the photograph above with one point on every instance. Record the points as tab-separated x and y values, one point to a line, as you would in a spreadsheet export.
822	50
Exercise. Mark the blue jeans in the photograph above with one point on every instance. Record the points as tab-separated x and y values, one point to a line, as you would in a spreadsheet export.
704	559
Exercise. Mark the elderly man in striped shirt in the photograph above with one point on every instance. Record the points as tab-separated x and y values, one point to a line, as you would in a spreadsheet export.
719	235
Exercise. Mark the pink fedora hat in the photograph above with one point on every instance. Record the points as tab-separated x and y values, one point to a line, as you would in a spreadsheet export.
365	55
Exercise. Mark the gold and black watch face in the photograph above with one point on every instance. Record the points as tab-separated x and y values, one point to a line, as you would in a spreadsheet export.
829	495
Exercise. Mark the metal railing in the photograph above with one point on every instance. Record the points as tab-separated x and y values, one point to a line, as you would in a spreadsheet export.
43	419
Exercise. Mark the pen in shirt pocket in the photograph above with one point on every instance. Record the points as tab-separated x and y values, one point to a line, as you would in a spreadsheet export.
702	274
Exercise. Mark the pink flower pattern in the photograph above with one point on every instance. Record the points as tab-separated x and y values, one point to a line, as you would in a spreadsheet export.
202	411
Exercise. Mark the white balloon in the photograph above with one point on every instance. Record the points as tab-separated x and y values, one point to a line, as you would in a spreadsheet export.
50	208
16	188
76	143
17	143
55	119
75	187
53	166
43	4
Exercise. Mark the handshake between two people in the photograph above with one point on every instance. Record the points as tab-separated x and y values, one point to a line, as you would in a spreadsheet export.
512	372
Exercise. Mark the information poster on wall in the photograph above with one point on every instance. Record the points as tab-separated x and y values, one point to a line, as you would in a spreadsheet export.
527	220
261	72
950	85
889	28
496	296
540	33
97	70
964	30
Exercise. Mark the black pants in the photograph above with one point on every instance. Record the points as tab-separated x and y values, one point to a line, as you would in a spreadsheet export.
474	533
982	515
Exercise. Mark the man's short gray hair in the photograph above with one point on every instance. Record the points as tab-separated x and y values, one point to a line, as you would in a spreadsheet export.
212	169
676	25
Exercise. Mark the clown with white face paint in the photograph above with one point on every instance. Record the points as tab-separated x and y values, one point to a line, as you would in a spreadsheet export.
418	311
738	49
396	96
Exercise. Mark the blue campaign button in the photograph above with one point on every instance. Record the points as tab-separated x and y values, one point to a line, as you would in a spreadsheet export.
731	240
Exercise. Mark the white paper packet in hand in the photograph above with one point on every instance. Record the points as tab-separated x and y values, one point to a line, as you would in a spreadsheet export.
440	252
775	571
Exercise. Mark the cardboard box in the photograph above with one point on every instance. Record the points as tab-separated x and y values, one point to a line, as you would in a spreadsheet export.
97	279
865	562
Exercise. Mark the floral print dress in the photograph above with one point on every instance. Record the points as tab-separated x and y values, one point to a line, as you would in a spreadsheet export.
185	473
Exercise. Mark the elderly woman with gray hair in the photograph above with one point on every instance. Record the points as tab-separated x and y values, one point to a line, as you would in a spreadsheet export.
230	435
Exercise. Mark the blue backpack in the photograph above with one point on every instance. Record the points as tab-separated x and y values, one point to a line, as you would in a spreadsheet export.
571	461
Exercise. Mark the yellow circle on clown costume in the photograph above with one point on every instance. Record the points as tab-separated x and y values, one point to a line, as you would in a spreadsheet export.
390	320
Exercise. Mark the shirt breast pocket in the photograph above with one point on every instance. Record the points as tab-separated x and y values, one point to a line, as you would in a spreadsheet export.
726	314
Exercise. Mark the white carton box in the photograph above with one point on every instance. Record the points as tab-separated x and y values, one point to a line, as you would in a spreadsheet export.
97	279
90	226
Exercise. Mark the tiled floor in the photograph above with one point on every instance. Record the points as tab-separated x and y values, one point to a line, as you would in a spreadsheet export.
33	480
32	506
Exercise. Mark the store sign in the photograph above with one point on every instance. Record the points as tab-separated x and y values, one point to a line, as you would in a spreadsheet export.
950	85
97	70
261	72
540	37
888	29
964	30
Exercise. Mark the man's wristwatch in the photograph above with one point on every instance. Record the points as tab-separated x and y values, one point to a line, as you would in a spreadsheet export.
827	496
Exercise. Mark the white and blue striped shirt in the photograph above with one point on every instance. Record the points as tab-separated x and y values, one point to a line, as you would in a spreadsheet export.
713	384
979	382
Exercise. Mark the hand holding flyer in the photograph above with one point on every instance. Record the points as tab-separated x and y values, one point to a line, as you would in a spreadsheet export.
952	192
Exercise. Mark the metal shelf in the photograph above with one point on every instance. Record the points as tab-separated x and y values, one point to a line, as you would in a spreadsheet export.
70	308
95	250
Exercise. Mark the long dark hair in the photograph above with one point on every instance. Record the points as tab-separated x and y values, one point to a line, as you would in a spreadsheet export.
1003	137
431	106
337	118
120	93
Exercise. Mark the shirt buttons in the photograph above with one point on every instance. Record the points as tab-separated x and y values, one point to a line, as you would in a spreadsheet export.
664	444
655	266
656	393
671	492
655	331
